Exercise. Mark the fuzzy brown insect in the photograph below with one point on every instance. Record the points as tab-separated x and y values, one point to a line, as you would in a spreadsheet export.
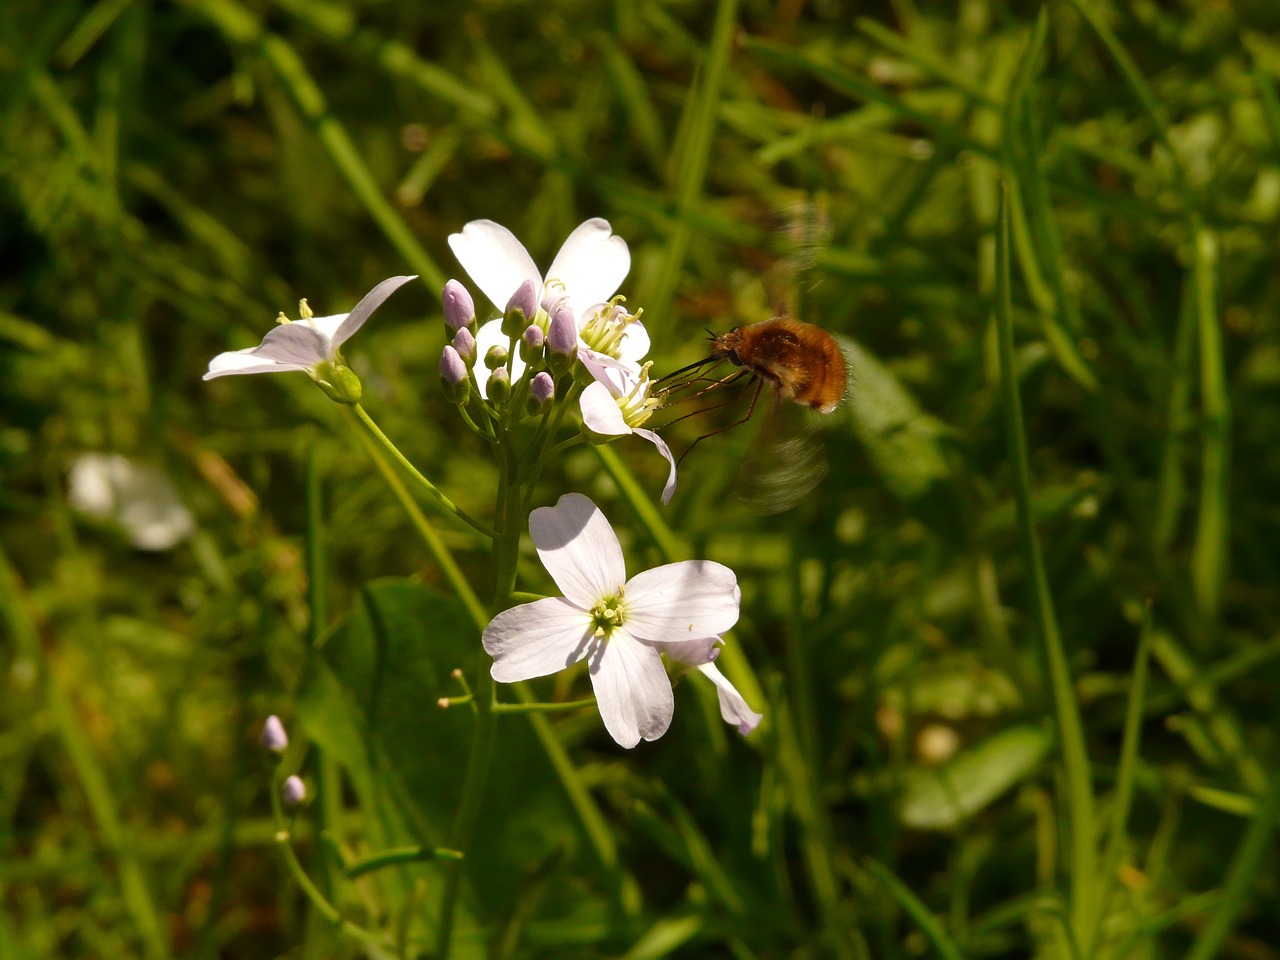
803	363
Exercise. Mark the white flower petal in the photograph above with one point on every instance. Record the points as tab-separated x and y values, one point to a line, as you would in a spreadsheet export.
296	343
592	263
247	361
494	259
537	639
616	374
682	601
138	497
601	413
490	335
733	708
579	549
632	690
634	344
663	449
368	303
693	652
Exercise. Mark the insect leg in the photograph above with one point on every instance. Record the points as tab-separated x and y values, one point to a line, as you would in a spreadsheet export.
750	410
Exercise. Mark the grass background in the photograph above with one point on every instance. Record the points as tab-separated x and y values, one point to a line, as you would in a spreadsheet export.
1018	658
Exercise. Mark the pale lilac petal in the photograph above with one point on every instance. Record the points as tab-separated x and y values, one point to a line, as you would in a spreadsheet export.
694	653
297	343
632	690
592	263
601	413
618	375
657	441
247	361
494	259
491	335
579	549
370	302
733	708
537	639
327	325
634	344
682	601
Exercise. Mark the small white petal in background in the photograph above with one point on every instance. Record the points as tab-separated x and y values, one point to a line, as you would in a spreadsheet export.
136	497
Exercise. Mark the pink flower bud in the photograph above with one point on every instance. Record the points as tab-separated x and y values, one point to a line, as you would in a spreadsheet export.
294	791
465	344
459	308
274	739
562	335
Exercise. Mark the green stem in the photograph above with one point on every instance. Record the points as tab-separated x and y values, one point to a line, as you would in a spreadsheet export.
326	909
448	566
1075	757
367	422
397	856
506	546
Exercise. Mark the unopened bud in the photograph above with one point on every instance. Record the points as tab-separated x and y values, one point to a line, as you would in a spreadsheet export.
542	390
521	308
338	381
496	357
453	376
562	338
465	344
294	791
459	308
499	387
274	739
531	343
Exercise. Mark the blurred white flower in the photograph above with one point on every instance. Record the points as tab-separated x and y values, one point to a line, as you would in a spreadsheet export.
619	625
138	498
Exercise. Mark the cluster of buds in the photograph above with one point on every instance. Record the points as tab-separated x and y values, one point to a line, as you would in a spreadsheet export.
519	356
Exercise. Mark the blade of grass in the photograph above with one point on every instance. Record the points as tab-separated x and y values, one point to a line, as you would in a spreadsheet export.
1209	554
1245	864
1170	487
1120	804
1138	84
1080	801
916	909
688	170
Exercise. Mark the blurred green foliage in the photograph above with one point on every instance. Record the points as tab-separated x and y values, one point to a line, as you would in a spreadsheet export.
173	175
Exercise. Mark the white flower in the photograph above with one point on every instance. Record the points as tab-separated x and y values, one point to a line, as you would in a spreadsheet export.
618	403
140	499
310	344
619	626
587	271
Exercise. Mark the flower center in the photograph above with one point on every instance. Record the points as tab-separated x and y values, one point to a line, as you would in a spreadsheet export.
608	613
636	404
603	330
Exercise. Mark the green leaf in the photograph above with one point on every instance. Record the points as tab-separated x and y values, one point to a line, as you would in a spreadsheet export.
903	442
942	798
369	698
